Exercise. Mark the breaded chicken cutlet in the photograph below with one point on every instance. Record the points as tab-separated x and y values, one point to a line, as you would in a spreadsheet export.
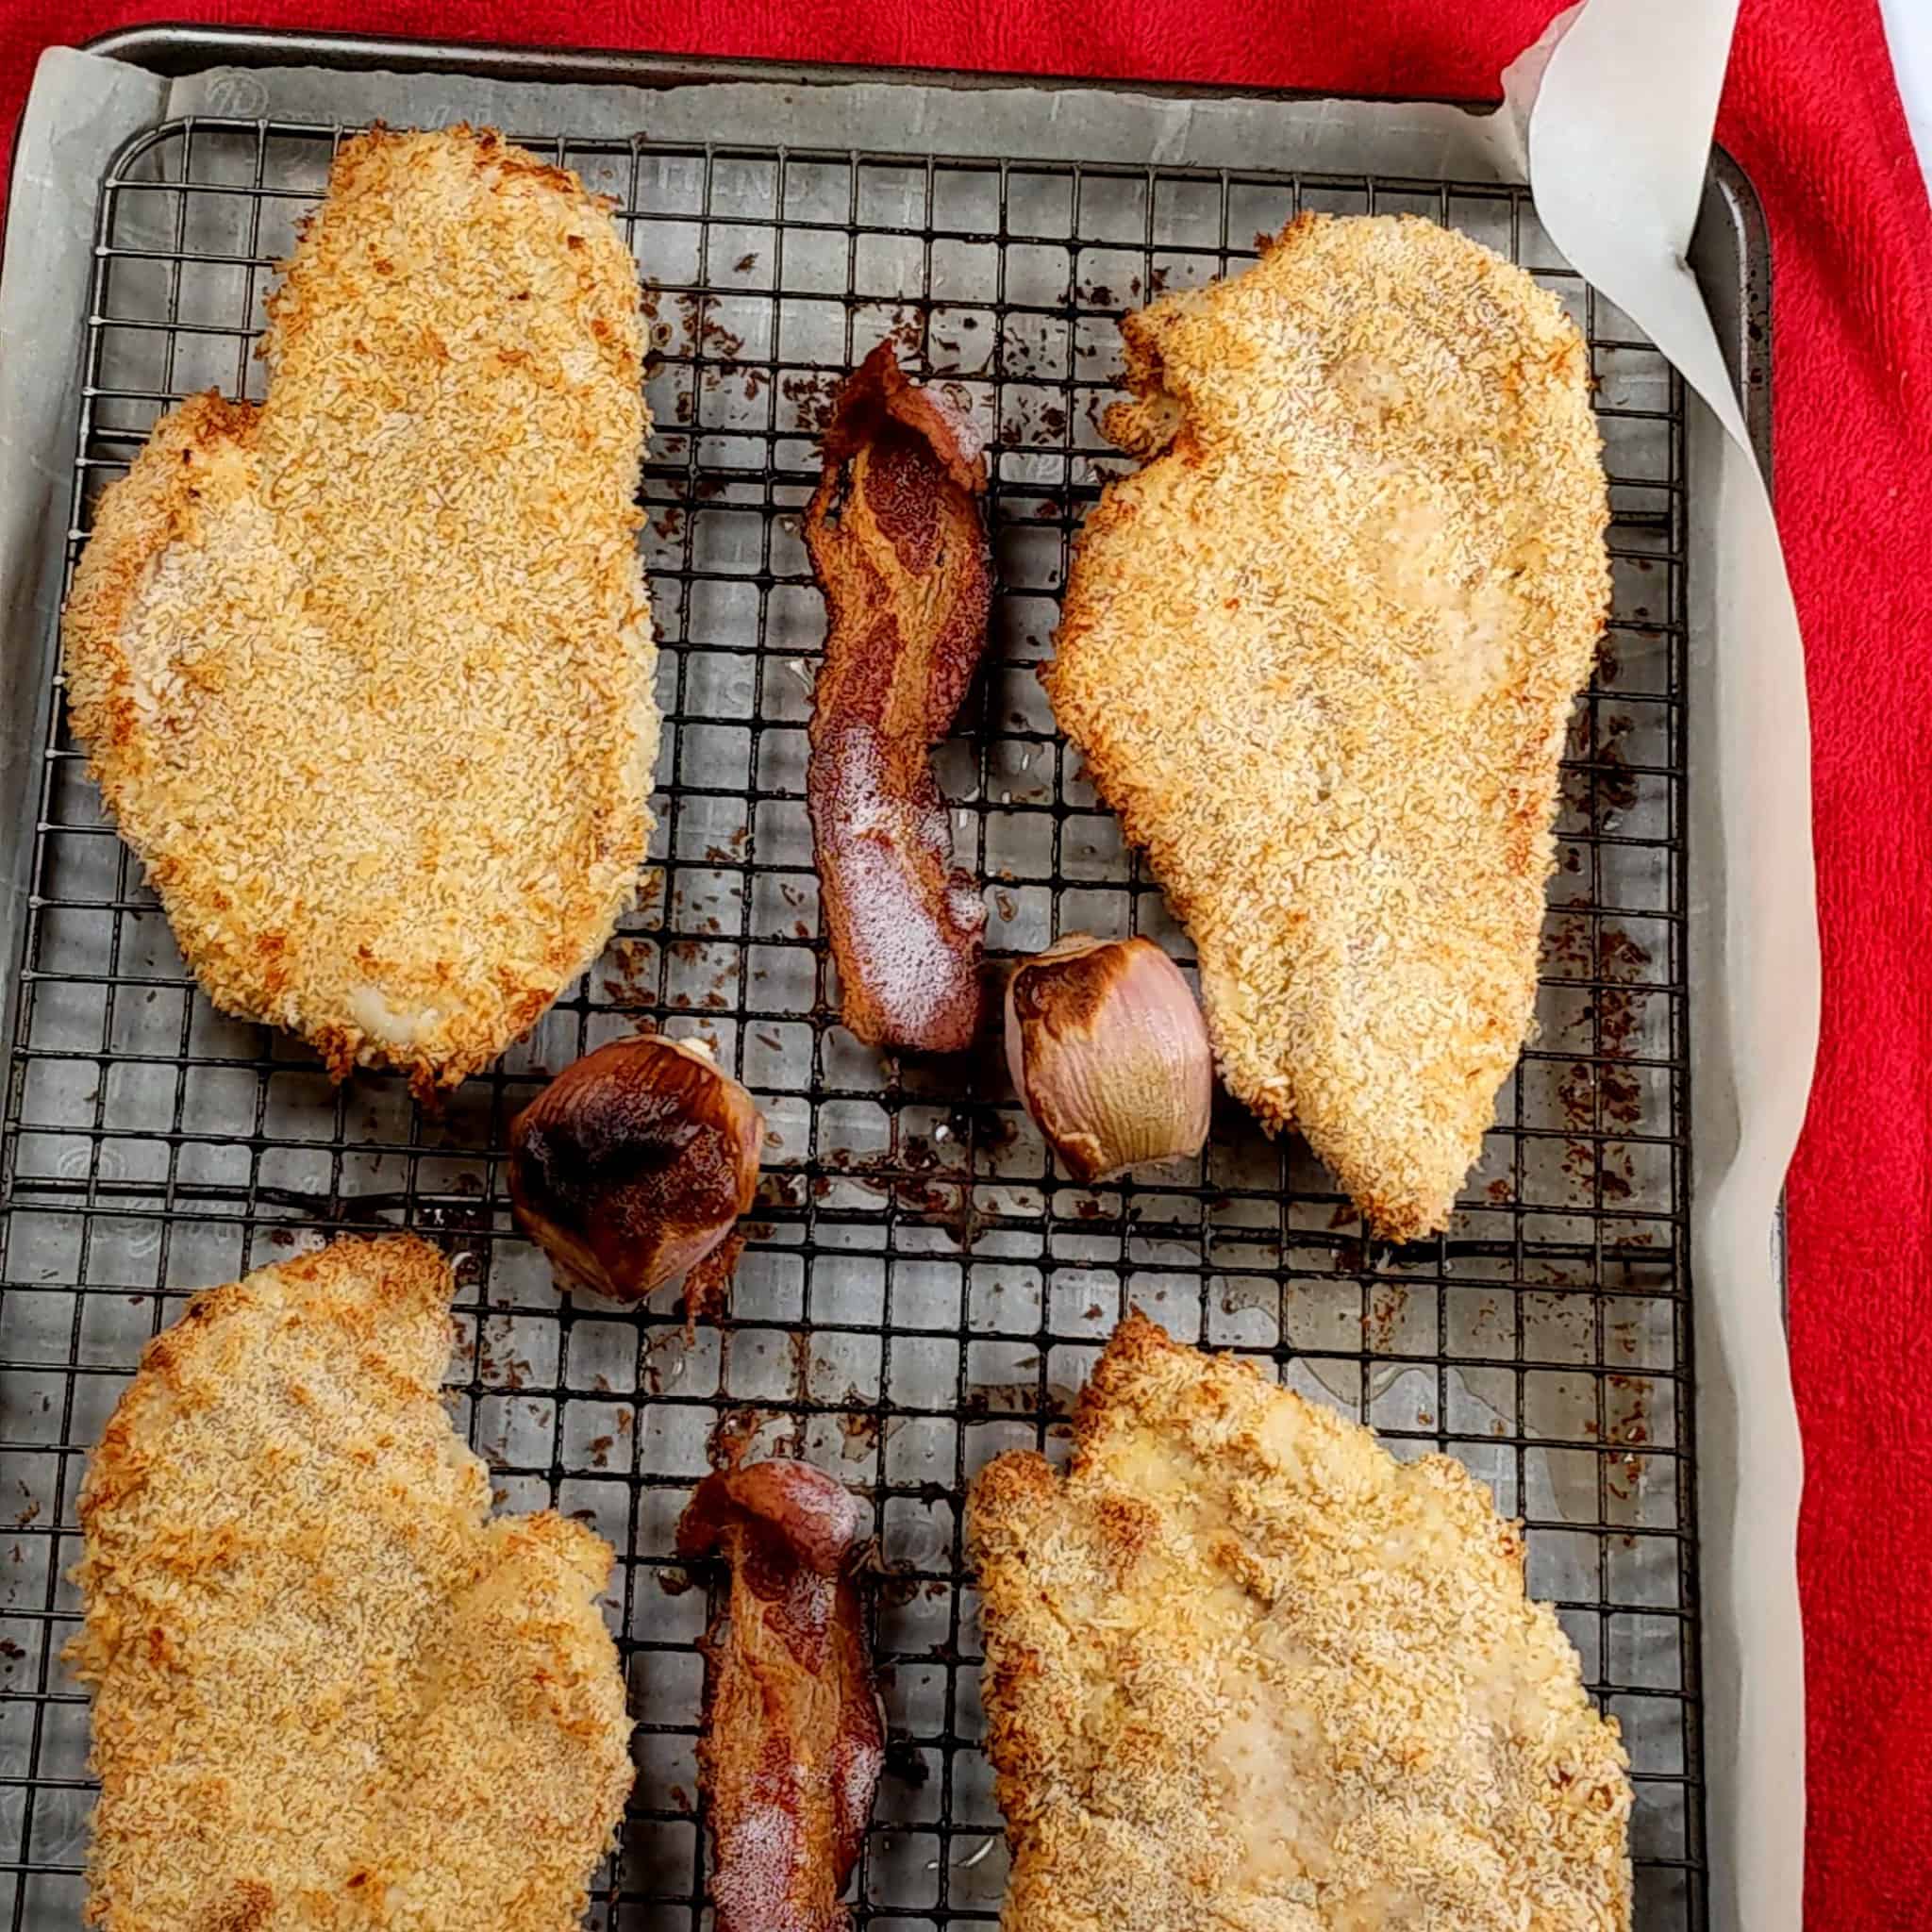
328	1689
365	671
1243	1669
1320	652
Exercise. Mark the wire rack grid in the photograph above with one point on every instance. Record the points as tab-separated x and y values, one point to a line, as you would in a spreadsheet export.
922	1287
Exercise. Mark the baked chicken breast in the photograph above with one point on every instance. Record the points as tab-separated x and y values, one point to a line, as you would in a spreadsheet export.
1243	1669
1320	652
365	671
330	1689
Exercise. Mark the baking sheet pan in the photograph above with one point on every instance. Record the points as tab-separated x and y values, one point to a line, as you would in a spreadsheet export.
923	1290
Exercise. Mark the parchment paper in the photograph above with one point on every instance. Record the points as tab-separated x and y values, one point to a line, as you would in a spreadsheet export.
80	112
1617	102
1613	120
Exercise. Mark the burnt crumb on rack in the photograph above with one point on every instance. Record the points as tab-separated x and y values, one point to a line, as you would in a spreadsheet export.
812	397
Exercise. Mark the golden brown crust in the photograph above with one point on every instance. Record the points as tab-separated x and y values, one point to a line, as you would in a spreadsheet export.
1243	1669
364	673
1319	654
330	1691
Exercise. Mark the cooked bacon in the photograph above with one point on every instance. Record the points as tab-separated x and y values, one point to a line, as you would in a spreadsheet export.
900	550
793	1742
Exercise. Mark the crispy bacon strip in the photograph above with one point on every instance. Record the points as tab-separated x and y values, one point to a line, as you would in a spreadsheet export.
900	551
793	1743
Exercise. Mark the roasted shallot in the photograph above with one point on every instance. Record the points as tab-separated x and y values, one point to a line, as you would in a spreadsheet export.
632	1167
1110	1052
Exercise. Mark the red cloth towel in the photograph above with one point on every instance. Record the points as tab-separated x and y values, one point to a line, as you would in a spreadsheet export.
1813	115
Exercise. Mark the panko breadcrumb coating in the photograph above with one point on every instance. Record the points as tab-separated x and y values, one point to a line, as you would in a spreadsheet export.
1320	652
1244	1669
365	671
328	1689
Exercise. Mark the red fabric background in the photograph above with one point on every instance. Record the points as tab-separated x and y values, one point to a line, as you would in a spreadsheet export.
1813	115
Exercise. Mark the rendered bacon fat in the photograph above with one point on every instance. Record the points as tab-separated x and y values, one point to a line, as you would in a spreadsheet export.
900	551
793	1743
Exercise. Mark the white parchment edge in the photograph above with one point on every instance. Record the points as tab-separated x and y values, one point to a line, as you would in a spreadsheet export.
1617	102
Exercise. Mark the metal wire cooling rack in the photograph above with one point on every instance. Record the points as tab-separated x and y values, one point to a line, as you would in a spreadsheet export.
922	1287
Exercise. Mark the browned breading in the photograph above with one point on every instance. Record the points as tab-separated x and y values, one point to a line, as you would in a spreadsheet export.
330	1691
364	673
1319	654
1245	1670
